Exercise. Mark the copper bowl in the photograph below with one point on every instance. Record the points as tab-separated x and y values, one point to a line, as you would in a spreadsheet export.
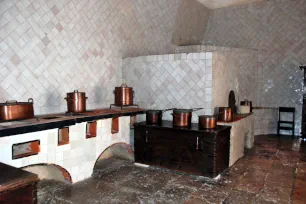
14	110
76	102
208	121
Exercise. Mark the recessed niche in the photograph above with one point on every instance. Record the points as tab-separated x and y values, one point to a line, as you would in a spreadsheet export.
63	136
26	149
91	129
132	121
115	125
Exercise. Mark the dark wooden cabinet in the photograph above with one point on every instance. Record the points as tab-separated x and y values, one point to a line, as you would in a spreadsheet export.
17	185
191	150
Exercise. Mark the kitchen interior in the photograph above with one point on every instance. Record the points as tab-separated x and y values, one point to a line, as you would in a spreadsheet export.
153	101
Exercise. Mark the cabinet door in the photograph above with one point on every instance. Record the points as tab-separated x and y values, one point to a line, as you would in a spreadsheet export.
174	149
139	144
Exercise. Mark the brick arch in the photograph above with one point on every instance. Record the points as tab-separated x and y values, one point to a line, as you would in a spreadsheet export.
64	172
122	144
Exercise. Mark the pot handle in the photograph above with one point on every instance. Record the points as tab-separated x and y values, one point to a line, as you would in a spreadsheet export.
167	110
196	109
31	100
11	101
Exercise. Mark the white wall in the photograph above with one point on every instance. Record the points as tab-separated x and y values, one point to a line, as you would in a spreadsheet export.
277	29
51	47
171	81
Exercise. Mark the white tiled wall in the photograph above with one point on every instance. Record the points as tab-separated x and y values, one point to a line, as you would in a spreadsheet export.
171	81
51	47
232	69
278	30
78	157
197	78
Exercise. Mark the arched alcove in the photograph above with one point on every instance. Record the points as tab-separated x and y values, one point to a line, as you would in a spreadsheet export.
49	171
122	151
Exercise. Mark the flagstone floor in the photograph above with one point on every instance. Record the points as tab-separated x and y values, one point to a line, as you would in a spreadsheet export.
274	171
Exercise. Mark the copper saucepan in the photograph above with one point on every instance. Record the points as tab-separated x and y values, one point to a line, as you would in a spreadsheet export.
182	117
208	121
154	117
225	114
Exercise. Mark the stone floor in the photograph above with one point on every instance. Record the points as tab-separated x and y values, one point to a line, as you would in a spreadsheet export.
274	171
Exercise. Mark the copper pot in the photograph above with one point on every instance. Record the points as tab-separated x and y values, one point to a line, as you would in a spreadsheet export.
76	102
154	117
225	114
182	117
124	95
207	121
13	110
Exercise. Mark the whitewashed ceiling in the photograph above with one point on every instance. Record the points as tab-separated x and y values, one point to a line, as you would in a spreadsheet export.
214	4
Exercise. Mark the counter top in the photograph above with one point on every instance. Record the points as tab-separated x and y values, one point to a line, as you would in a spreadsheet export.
235	119
12	178
51	121
194	127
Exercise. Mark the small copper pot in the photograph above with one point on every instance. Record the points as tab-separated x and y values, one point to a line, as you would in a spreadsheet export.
208	121
124	95
154	117
76	102
14	110
182	117
225	114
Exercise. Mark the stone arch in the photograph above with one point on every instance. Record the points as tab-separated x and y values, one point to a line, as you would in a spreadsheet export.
49	171
120	150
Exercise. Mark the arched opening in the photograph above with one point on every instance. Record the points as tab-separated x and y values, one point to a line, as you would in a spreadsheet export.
113	156
50	172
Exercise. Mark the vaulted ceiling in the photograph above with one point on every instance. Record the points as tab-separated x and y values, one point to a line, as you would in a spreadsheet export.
214	4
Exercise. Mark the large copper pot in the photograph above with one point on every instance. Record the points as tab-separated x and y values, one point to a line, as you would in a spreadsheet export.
207	121
154	117
182	117
13	110
76	102
225	114
124	95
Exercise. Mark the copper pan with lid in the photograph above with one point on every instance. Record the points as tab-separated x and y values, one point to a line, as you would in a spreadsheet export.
124	95
14	110
76	102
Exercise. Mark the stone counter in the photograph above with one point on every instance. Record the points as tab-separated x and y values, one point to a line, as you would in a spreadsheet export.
71	143
242	135
51	121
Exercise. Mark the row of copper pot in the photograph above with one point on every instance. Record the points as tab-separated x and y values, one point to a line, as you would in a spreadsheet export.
76	103
14	110
182	117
